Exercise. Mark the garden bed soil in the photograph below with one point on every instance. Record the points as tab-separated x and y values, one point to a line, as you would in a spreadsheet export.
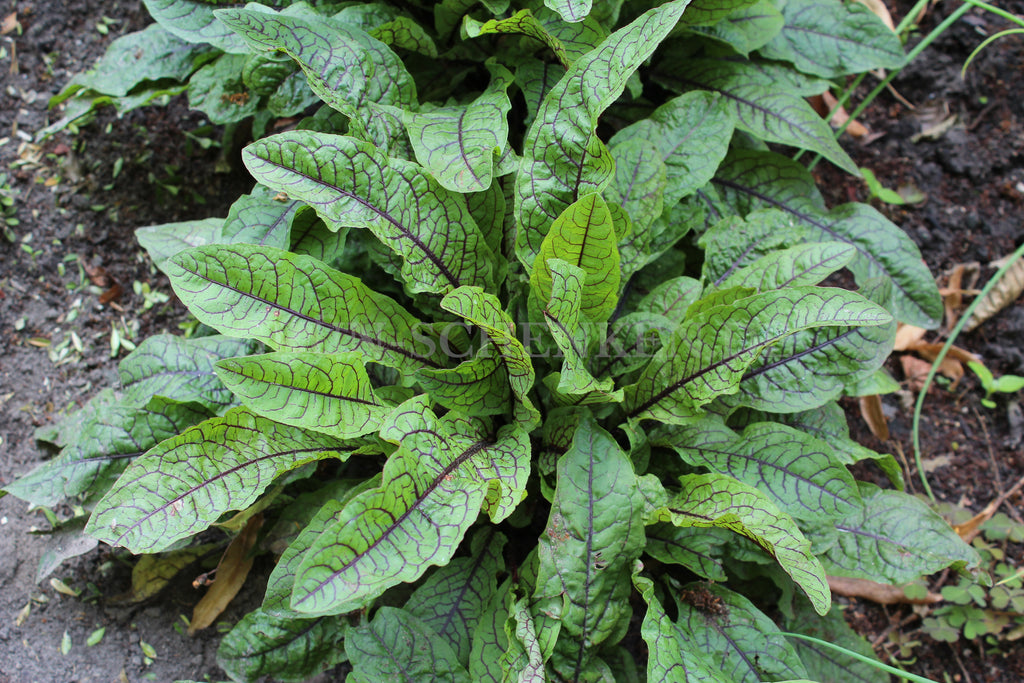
75	248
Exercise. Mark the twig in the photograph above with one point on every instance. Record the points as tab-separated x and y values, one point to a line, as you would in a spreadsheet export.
963	670
991	453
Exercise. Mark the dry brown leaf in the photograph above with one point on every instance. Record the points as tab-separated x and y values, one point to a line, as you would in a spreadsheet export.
111	294
954	299
232	570
1004	293
98	275
906	335
871	411
840	116
972	527
9	23
881	11
915	370
881	593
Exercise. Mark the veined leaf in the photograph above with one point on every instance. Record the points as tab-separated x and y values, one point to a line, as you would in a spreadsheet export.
396	646
433	488
708	12
388	25
690	134
718	500
709	352
572	336
568	41
484	310
460	145
570	10
489	639
893	538
563	159
746	29
671	656
186	483
478	386
793	469
164	241
826	665
289	648
352	183
634	338
352	72
453	598
328	393
218	91
699	550
312	521
522	22
167	365
194	21
151	54
829	39
102	447
584	236
760	106
638	187
524	657
535	80
297	303
672	298
593	536
799	266
745	645
750	179
258	218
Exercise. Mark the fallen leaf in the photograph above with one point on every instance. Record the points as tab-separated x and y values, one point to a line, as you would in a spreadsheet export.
907	335
840	117
60	149
232	571
98	275
882	593
9	23
972	527
871	411
111	294
1004	293
915	370
932	464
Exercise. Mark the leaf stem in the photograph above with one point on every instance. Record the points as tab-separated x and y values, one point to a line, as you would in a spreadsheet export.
907	676
915	430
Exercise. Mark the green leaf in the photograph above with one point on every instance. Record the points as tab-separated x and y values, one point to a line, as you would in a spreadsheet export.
894	538
264	73
711	350
750	180
218	91
288	649
524	658
489	639
433	488
453	599
167	365
638	186
152	54
522	22
584	236
826	665
460	145
484	310
258	218
593	535
747	646
761	106
795	470
828	38
396	646
193	21
563	159
801	265
535	80
352	72
185	483
297	303
746	29
104	444
570	10
634	338
671	298
352	183
691	135
670	654
572	336
478	386
328	393
698	550
390	27
718	500
708	12
164	241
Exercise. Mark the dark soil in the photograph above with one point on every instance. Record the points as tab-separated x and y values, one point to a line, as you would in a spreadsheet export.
77	220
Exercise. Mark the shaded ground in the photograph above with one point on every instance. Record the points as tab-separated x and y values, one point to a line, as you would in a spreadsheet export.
76	218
